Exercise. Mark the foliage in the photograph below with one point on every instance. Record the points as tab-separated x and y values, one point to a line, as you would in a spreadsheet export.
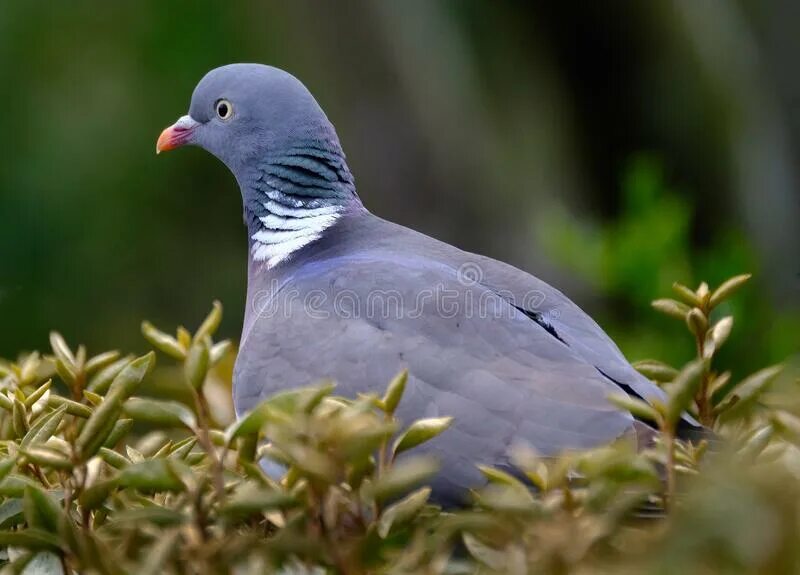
96	477
658	236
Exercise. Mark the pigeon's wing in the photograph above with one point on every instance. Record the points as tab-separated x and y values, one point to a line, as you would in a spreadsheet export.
546	305
566	321
472	355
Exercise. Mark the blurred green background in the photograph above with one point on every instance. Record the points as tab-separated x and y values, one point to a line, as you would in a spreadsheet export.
608	147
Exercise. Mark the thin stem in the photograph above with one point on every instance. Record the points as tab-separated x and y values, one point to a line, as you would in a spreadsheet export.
705	414
669	443
204	436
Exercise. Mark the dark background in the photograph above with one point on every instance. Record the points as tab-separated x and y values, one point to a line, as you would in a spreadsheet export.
610	148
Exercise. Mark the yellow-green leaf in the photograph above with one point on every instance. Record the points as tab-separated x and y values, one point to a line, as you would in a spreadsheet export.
211	323
197	363
637	407
672	308
403	511
421	431
401	478
727	289
162	341
161	413
394	392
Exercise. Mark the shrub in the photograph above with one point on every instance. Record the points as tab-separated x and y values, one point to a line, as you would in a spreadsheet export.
98	477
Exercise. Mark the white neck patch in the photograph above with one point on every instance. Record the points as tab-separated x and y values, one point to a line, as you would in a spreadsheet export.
286	230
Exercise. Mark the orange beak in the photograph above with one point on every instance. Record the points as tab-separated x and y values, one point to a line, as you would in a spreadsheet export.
177	135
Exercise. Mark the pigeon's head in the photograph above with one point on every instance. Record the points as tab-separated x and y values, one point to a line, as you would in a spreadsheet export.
243	112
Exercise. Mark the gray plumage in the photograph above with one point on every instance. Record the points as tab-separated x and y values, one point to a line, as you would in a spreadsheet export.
336	292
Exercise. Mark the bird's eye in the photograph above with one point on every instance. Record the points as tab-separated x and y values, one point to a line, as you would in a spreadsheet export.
224	109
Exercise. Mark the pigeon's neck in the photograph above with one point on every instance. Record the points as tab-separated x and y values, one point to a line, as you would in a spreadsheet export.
292	197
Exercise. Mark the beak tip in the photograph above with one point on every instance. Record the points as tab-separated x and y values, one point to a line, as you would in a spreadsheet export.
176	135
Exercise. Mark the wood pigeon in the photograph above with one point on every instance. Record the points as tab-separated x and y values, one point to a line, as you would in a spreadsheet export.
337	292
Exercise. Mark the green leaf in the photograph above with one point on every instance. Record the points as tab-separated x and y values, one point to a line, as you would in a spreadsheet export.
37	394
301	400
101	423
134	454
41	509
5	402
757	442
184	337
14	485
19	418
162	341
492	558
672	308
359	441
6	465
163	451
92	397
33	539
636	407
98	428
73	407
247	447
656	370
687	295
160	413
120	429
155	514
251	499
197	363
717	386
211	323
251	423
45	427
62	351
788	425
29	367
402	477
102	379
181	449
100	361
96	495
47	457
746	393
152	475
494	475
419	432
394	392
404	511
717	335
727	289
218	351
126	382
507	499
682	390
113	458
311	462
697	322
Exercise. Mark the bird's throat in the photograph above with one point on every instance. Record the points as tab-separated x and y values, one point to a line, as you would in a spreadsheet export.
283	231
292	199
